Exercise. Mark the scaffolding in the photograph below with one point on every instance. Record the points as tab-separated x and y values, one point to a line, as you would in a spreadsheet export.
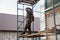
29	3
45	33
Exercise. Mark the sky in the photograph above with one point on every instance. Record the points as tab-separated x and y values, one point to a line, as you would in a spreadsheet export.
10	7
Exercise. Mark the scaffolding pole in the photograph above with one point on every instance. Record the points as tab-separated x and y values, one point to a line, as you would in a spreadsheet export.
17	21
53	10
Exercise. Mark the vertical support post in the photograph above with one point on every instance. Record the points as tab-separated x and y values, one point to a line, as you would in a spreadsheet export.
39	38
46	19
53	10
46	27
33	25
33	22
17	21
46	35
23	17
23	14
36	38
46	22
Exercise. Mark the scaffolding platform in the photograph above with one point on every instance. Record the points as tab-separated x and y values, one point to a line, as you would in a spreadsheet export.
28	31
52	31
33	35
40	34
32	2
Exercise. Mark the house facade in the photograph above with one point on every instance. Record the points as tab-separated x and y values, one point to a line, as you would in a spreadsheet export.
50	17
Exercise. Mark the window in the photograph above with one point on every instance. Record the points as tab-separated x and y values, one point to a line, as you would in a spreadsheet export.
49	3
56	1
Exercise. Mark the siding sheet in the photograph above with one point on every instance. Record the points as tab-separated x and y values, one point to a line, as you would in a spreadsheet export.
9	22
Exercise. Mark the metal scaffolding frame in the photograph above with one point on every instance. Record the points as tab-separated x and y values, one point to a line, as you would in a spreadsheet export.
33	23
54	20
24	19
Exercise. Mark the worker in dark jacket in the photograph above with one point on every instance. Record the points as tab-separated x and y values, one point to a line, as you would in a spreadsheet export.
29	19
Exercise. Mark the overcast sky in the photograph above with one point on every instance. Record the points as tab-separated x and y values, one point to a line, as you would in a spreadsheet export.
10	7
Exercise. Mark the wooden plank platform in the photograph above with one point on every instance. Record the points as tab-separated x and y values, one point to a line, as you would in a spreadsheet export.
28	31
28	1
50	32
33	35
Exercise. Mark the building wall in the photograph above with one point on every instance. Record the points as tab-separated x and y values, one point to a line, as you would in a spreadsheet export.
9	22
10	36
54	37
49	17
13	36
50	22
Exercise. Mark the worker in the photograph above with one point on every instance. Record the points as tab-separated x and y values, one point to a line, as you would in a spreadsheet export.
29	20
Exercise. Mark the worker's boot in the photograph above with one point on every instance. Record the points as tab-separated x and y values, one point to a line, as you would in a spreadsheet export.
29	32
22	33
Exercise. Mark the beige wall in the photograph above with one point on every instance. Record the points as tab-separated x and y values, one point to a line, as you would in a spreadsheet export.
50	19
54	37
50	22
